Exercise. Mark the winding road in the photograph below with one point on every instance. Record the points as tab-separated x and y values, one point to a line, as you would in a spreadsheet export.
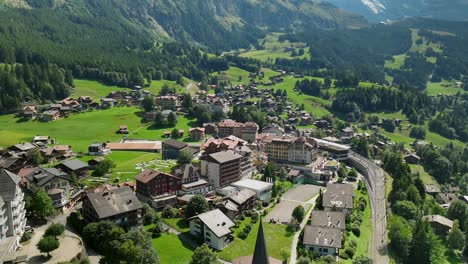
374	177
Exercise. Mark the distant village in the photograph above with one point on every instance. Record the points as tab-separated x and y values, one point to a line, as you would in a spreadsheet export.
227	166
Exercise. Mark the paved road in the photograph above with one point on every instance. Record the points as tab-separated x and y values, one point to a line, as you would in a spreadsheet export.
293	257
374	177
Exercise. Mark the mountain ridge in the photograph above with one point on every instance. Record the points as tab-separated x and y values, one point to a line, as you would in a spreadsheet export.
383	10
231	24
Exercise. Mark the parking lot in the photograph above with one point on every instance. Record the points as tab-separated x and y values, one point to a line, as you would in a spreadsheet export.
298	195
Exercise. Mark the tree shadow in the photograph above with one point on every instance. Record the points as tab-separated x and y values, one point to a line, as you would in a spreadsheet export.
39	259
182	224
158	127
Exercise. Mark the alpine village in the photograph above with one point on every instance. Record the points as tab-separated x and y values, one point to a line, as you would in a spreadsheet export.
243	132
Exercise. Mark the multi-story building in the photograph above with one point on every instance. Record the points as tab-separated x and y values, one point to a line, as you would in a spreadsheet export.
213	228
168	102
222	168
213	145
119	205
191	182
247	131
55	182
284	149
157	188
12	213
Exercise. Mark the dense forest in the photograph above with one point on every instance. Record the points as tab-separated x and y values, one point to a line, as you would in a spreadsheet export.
363	52
31	78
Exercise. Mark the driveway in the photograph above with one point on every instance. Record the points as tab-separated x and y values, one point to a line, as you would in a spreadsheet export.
299	195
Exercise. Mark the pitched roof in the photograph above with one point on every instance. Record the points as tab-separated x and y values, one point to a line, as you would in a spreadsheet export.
242	196
252	184
149	174
439	219
114	202
25	146
217	222
8	183
329	219
322	236
337	200
40	176
75	164
225	156
174	143
340	188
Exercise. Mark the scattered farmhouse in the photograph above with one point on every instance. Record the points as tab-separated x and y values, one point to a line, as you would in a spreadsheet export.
440	224
171	148
197	133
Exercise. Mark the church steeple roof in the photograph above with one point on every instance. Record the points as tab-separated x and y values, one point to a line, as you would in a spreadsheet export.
260	254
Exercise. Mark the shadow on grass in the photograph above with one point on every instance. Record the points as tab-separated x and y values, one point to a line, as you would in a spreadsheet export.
182	224
190	242
156	127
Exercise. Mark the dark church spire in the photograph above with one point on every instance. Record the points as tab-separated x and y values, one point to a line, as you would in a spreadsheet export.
260	254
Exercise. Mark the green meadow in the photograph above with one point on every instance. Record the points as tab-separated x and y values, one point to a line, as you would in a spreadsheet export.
82	129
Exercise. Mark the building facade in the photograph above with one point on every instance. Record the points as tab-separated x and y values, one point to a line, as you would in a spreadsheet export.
12	212
222	168
119	205
213	228
157	188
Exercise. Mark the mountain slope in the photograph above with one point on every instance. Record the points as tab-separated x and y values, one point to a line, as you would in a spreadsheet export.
380	10
219	24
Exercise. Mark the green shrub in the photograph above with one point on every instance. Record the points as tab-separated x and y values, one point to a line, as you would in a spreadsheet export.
248	213
353	243
356	231
343	255
362	206
242	235
350	252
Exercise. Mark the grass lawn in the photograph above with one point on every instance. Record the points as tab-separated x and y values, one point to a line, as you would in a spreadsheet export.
312	104
433	89
178	224
365	239
398	61
156	86
277	239
233	74
425	177
172	250
93	88
82	129
274	49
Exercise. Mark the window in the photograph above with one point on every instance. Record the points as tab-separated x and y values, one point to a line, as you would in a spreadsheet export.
207	234
325	250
